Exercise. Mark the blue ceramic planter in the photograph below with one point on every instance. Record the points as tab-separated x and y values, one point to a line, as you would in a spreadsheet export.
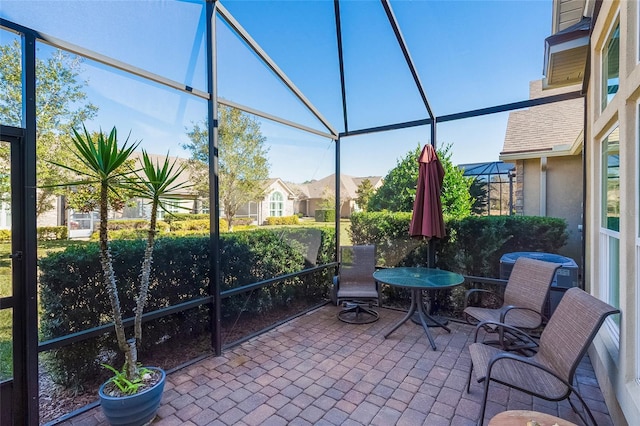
133	410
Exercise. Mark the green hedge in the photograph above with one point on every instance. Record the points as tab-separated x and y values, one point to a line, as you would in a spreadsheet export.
73	296
325	215
43	233
473	245
142	224
282	220
48	233
176	217
191	225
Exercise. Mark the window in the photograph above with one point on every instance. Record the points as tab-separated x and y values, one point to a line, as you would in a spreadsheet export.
276	204
610	220
611	66
611	181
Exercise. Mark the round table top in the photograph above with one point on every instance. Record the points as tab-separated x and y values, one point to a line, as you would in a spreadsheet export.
525	417
417	277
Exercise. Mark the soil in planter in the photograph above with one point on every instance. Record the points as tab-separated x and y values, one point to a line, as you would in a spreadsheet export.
148	379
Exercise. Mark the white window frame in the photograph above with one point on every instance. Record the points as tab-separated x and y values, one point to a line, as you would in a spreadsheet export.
637	225
280	202
603	78
605	236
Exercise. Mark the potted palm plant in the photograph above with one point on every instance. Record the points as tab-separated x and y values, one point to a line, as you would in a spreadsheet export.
132	396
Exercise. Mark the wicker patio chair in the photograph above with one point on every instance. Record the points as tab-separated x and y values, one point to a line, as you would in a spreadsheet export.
523	303
354	286
549	374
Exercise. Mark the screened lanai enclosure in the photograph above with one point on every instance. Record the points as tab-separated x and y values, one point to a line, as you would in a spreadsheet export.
312	90
494	183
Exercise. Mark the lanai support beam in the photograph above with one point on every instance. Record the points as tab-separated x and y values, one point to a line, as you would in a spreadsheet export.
214	201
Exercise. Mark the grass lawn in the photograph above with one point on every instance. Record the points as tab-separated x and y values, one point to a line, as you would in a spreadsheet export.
6	349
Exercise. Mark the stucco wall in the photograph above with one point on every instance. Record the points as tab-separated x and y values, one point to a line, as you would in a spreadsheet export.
563	195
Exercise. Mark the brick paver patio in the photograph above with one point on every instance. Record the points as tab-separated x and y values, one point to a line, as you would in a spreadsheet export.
318	370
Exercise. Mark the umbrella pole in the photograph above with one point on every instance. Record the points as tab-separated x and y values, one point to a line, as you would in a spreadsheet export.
431	253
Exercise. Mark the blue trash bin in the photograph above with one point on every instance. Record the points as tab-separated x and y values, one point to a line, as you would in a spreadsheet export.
565	278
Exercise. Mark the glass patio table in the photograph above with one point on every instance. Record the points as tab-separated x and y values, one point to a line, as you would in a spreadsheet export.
417	279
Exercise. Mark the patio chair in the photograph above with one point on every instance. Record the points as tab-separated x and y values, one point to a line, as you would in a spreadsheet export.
549	374
354	286
522	306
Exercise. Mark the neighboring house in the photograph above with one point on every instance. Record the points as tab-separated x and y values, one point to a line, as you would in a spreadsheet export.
81	225
609	71
312	195
545	143
278	200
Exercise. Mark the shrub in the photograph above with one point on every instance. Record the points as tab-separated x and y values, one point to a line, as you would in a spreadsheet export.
473	245
242	221
190	225
5	235
176	217
388	231
325	215
196	225
122	234
73	300
47	233
282	220
118	224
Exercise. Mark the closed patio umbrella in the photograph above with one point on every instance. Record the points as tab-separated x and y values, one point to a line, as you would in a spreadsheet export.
427	221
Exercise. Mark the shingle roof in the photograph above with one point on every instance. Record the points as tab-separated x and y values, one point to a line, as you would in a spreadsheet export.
348	186
542	127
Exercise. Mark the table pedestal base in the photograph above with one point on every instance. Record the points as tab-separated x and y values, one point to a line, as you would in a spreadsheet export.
417	308
438	321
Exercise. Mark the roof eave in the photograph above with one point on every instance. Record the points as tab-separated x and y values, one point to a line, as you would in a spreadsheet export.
565	55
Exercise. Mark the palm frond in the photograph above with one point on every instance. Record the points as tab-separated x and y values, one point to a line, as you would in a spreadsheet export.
159	179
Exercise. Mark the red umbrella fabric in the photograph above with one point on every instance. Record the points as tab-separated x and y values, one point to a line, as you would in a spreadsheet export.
427	218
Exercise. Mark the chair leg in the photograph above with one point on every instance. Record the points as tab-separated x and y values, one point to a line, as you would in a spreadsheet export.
469	377
484	401
584	405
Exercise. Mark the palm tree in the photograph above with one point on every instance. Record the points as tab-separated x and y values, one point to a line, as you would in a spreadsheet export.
103	163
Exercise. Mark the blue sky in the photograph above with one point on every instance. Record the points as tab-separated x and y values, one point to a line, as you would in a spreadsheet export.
469	54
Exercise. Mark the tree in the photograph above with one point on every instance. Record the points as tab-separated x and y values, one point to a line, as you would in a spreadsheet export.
365	191
243	166
456	199
61	106
478	191
398	189
101	162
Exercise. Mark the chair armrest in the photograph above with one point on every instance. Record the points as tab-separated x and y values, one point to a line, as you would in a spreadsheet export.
469	292
513	330
508	308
